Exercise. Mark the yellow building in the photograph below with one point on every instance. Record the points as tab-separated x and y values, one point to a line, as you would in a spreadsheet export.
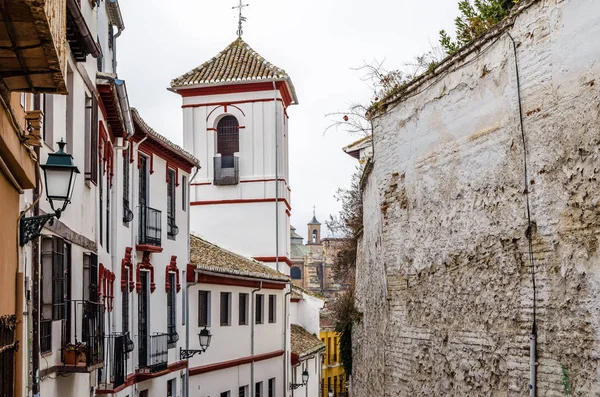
333	377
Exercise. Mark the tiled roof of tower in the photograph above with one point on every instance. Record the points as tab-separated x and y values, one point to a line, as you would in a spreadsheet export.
237	63
209	257
303	343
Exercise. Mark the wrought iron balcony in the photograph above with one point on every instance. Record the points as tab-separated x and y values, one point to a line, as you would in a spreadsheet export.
227	170
154	354
150	222
33	36
116	361
127	212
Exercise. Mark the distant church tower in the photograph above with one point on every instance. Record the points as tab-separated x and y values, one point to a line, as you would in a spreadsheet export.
235	121
314	231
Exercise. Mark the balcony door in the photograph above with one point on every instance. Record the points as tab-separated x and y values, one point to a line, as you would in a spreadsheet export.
144	320
143	183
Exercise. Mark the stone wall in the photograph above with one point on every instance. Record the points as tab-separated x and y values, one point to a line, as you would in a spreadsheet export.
443	279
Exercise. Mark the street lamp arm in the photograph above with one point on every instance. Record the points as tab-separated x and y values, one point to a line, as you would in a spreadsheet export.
187	354
31	227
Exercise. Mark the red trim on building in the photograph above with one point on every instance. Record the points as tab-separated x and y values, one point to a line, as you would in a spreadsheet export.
238	282
140	377
288	213
145	264
239	201
126	263
197	105
189	274
203	369
172	267
238	88
224	106
148	248
271	259
201	183
294	358
295	300
150	155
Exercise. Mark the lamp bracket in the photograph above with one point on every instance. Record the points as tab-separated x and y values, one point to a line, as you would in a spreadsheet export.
31	227
294	386
185	354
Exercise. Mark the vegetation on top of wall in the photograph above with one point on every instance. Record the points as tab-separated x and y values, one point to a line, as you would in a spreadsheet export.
475	20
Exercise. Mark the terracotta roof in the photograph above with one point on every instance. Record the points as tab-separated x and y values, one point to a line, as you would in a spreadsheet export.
141	125
209	257
303	343
237	63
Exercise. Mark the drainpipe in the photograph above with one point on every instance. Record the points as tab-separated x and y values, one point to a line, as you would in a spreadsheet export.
285	347
187	331
35	293
114	59
252	335
276	180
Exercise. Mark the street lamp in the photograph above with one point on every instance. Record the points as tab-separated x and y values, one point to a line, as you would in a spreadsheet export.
204	338
60	174
294	386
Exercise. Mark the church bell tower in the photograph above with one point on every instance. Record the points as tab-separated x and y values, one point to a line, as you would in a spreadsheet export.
235	121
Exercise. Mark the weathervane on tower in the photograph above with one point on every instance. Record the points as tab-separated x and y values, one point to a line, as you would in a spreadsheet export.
241	19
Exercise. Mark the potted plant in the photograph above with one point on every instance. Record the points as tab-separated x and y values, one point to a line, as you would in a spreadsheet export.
73	352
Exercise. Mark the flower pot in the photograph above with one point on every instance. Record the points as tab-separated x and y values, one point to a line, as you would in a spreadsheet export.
70	357
82	357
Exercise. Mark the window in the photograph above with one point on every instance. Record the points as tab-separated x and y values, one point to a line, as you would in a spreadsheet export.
70	111
125	303
258	388
144	393
271	387
55	272
225	308
184	189
143	181
203	308
171	388
314	236
47	106
335	347
101	203
127	213
258	314
228	137
226	393
243	391
296	273
272	308
243	309
144	320
172	312
91	135
335	388
107	213
171	221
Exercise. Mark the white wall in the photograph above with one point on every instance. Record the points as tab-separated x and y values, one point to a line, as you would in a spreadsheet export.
313	387
306	313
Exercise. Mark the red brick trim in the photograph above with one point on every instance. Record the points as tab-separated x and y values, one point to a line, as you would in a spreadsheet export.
148	248
238	88
126	263
136	378
238	282
203	369
172	267
271	259
145	264
239	201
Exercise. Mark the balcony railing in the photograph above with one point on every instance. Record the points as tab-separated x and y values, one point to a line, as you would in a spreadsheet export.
156	354
227	170
86	319
34	57
150	226
127	212
8	346
116	361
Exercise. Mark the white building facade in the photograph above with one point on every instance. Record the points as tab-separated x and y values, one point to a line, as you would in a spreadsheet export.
112	268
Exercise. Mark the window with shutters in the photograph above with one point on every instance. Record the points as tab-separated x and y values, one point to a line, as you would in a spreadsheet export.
203	308
226	394
173	337
55	278
243	309
125	304
172	229
272	308
258	389
184	191
127	212
243	391
101	204
259	309
271	392
225	308
91	138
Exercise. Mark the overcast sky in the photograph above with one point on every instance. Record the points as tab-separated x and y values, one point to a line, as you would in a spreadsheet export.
316	41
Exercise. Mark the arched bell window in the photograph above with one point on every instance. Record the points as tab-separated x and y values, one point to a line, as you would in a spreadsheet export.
314	236
228	139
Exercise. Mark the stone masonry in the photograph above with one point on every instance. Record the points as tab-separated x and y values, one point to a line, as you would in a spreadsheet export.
443	278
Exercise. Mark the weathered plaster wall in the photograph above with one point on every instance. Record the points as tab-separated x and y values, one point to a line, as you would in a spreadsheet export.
443	279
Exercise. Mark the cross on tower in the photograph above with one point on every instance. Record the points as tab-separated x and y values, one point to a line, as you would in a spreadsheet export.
314	210
241	18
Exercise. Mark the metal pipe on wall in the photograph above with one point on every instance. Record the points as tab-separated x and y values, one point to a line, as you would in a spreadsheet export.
252	335
276	179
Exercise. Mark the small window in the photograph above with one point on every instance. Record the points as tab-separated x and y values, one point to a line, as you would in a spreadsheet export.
271	387
335	348
228	136
243	309
173	337
272	308
296	273
258	389
226	394
260	303
243	391
172	230
203	308
225	309
144	393
171	388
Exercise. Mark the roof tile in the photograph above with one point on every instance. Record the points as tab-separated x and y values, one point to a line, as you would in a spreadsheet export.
303	343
